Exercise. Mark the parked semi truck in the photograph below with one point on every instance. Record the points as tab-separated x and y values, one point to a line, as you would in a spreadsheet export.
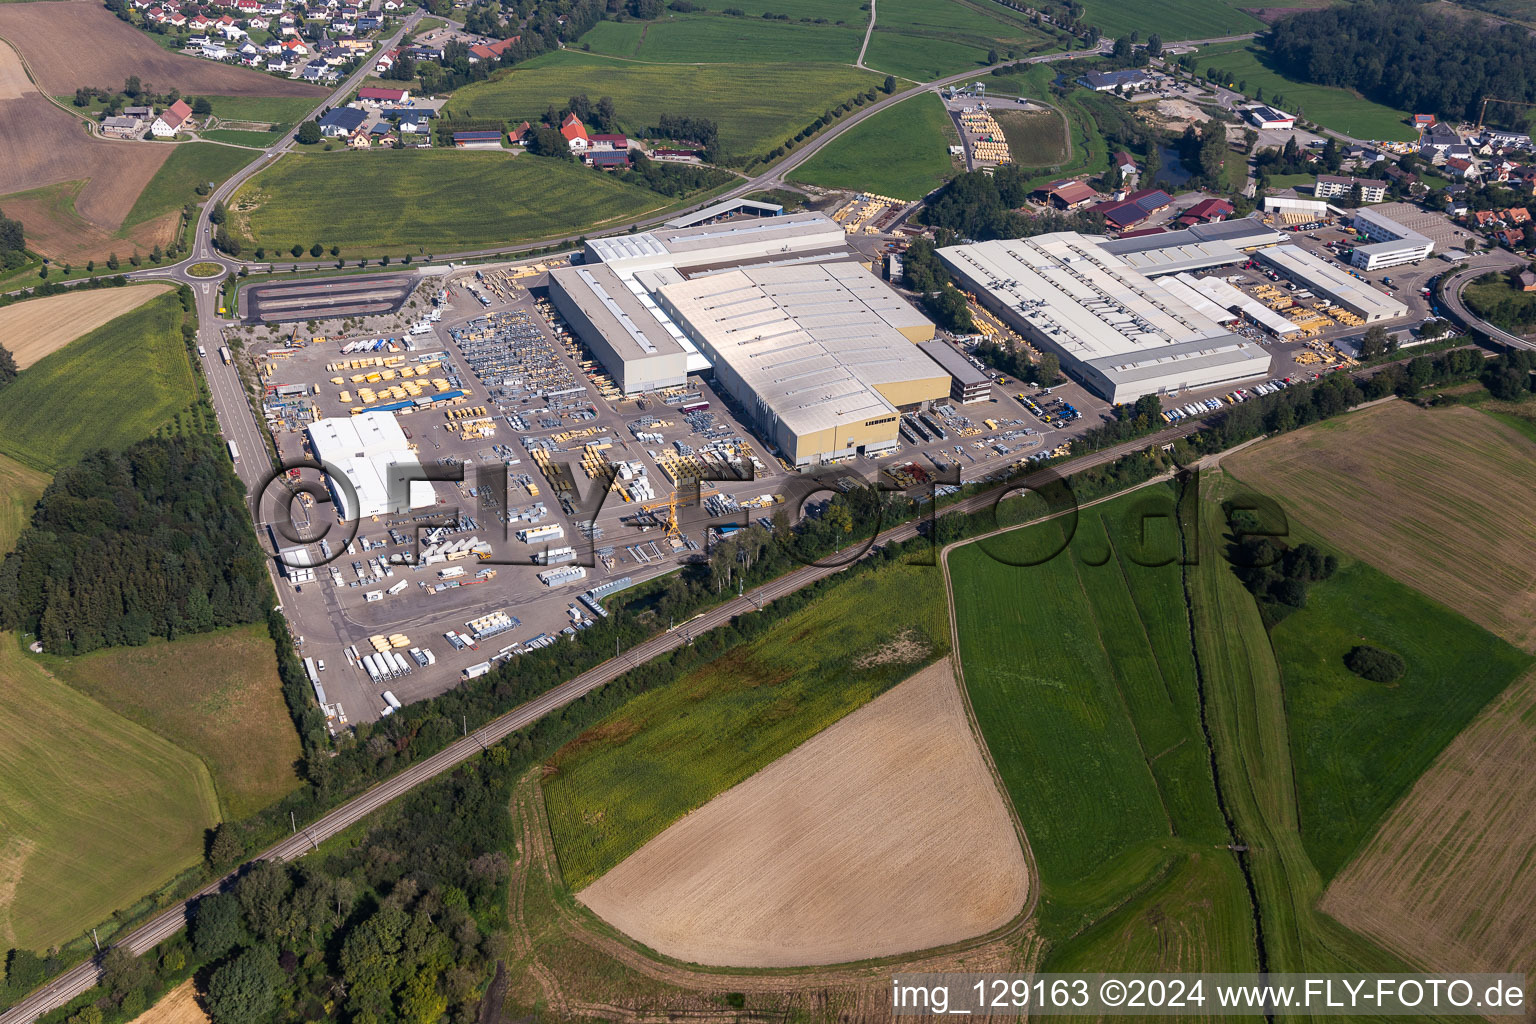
234	453
224	354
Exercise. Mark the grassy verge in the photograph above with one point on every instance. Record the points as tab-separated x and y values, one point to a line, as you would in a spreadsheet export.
97	809
901	152
669	751
114	386
423	201
216	695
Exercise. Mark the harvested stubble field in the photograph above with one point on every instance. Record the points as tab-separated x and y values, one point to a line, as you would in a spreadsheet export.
178	1006
75	190
1448	881
74	43
882	835
1036	138
34	329
1442	500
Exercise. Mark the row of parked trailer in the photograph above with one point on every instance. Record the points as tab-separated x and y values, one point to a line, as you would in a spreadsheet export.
384	665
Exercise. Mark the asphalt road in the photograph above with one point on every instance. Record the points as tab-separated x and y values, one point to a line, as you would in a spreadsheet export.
1452	284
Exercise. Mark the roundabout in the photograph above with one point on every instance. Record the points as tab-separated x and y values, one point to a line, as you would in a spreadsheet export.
207	268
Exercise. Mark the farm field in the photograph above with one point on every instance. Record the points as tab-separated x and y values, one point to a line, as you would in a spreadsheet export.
1173	19
74	43
1338	109
1447	879
173	185
178	1006
1441	500
216	695
37	327
428	201
20	487
719	39
112	387
278	111
901	152
849	11
1036	138
93	820
1357	745
1107	770
920	40
70	191
1088	147
671	750
755	105
883	834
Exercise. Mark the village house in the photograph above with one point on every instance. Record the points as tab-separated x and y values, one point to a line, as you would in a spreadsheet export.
575	134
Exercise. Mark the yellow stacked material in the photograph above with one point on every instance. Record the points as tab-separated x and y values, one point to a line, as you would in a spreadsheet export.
399	640
380	643
338	380
345	396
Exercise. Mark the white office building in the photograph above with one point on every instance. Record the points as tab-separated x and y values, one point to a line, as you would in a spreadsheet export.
1391	243
370	468
1112	327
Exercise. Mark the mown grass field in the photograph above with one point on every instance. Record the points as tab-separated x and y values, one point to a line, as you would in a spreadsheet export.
1173	19
920	39
216	695
1081	675
20	487
902	152
756	105
670	750
1358	746
114	386
97	810
713	38
424	201
1338	109
849	11
278	111
1036	138
188	166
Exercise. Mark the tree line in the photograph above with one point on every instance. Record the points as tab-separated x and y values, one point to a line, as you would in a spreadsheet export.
13	243
125	546
1408	55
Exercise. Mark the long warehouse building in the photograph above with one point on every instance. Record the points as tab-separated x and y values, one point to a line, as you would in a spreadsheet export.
1110	325
1332	283
822	356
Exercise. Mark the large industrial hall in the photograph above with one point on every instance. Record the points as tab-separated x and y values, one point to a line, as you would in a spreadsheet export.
1111	326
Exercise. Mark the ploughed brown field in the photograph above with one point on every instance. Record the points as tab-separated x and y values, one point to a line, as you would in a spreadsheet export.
76	189
1442	500
34	329
178	1006
884	834
74	43
1448	882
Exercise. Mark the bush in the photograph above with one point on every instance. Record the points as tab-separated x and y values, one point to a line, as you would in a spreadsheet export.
1375	664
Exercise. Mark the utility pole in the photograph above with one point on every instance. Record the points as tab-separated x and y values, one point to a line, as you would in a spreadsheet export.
293	823
466	724
95	940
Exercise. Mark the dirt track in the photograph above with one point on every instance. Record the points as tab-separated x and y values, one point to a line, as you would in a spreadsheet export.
1448	880
882	835
34	329
73	43
47	147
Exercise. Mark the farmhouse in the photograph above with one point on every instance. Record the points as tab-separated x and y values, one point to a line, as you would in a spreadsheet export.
341	121
171	119
122	127
575	133
519	136
1110	325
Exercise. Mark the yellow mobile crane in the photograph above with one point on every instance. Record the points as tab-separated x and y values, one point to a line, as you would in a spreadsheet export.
1483	110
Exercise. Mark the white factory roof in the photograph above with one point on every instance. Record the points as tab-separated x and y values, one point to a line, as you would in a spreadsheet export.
1182	287
1335	283
812	341
721	209
1228	297
370	450
629	324
1099	310
1193	248
698	244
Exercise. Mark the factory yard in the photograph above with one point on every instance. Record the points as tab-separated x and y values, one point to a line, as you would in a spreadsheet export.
34	329
883	834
